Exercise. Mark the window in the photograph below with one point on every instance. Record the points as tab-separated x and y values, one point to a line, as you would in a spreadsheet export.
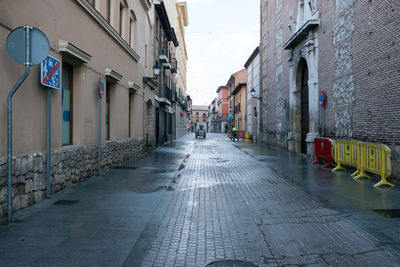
121	17
108	11
132	30
197	113
66	102
145	55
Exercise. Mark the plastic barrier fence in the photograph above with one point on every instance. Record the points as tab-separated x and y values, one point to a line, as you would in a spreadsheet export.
248	136
323	151
239	134
375	158
346	152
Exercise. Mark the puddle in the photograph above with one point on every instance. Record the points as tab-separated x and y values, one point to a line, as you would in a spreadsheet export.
65	202
389	213
127	167
231	263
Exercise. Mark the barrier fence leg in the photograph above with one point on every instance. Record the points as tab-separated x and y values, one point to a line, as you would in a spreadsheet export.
358	172
329	164
361	174
338	167
383	181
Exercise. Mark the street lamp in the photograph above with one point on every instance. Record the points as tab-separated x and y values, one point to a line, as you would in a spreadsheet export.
156	72
156	69
253	94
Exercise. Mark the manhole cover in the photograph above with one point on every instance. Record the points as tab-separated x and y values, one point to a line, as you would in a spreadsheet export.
126	167
231	263
65	202
389	213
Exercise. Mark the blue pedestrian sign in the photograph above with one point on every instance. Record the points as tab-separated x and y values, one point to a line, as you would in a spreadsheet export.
50	73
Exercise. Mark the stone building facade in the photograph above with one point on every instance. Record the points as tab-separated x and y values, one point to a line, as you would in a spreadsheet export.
112	39
234	80
347	48
252	66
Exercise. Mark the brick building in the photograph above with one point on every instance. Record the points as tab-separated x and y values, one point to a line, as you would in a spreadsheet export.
347	48
234	80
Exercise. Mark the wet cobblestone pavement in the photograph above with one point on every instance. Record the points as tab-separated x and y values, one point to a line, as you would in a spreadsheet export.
230	206
202	201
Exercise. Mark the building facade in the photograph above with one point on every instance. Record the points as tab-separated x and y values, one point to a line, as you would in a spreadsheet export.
252	66
179	21
165	48
118	27
233	82
119	41
240	106
222	107
346	49
199	114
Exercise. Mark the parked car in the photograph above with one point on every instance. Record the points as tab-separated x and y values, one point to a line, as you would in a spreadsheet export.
201	129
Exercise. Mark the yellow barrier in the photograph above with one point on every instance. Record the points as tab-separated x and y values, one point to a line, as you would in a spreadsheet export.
247	136
346	152
375	158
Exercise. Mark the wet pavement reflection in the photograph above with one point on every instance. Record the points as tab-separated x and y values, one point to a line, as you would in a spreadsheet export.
373	209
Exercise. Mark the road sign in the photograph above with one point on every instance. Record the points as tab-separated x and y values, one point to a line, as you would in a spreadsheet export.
16	45
101	87
50	73
322	99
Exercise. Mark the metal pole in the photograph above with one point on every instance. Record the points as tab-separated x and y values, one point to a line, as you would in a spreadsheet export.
9	117
99	160
48	157
323	121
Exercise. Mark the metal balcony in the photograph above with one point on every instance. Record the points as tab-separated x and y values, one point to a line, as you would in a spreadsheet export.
164	55
174	65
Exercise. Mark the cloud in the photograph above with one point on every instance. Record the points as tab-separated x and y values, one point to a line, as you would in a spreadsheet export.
219	43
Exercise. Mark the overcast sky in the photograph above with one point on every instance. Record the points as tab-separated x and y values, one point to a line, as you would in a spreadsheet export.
220	38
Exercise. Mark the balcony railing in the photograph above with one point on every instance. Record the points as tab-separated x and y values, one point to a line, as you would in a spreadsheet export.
164	55
174	65
168	93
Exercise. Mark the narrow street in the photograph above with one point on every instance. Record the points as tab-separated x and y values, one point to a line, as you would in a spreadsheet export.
202	200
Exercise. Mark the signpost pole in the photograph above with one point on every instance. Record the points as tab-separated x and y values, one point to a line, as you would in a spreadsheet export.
27	64
48	157
323	121
322	101
100	90
99	161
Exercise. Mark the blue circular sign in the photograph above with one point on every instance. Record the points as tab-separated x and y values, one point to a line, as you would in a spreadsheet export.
322	98
101	87
16	45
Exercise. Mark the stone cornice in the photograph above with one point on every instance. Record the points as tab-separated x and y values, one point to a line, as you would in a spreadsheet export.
76	54
112	75
301	33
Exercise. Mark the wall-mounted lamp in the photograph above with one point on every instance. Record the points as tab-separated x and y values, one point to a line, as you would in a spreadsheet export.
156	72
253	94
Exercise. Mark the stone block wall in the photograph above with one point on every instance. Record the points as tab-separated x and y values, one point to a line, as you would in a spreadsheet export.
70	165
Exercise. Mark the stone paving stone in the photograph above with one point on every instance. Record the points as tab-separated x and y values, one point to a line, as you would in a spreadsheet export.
229	206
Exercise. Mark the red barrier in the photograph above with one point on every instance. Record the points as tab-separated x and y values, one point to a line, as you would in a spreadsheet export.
240	134
323	151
